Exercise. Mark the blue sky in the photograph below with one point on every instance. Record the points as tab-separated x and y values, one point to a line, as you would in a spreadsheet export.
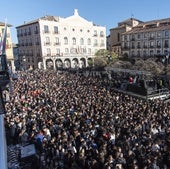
102	12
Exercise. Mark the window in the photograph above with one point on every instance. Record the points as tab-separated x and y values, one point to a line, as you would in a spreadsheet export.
56	41
55	29
102	43
47	41
151	44
145	44
65	40
166	33
158	43
89	51
158	52
166	44
66	50
133	45
158	34
81	41
138	46
133	37
74	41
101	33
125	37
151	35
58	51
48	51
46	30
73	50
138	53
144	53
151	53
89	41
95	33
138	36
36	29
145	35
118	37
95	42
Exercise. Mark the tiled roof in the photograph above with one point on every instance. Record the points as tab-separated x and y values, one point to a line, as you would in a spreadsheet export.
3	24
47	17
151	26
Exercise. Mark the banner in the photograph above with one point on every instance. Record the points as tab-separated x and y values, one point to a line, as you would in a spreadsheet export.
3	41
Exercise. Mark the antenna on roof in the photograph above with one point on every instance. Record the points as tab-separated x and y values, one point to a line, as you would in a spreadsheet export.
132	16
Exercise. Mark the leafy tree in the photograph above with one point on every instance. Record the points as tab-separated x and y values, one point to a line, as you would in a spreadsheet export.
108	56
100	61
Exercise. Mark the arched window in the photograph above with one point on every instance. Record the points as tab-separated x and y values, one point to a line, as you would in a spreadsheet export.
65	40
74	41
89	41
81	41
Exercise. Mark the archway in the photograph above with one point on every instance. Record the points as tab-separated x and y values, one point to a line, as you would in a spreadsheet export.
49	64
67	63
82	63
75	63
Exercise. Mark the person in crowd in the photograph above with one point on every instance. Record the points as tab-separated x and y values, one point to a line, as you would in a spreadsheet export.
81	122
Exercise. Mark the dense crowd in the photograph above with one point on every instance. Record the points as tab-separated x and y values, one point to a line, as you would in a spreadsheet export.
79	122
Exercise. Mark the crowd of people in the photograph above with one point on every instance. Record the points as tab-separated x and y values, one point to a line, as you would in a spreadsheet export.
81	122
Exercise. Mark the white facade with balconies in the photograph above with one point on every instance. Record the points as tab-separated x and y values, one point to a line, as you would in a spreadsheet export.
56	41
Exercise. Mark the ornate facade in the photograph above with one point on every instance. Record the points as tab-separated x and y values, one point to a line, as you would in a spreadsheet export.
54	42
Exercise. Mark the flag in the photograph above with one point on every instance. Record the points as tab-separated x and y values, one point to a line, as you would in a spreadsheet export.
3	41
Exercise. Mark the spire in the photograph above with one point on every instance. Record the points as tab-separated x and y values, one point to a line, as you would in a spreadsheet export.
76	12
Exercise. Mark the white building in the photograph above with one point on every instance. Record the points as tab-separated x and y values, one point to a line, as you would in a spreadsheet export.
56	41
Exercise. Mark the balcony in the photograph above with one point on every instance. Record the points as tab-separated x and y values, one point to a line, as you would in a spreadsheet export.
102	44
166	46
46	31
151	38
56	43
151	46
95	44
145	46
56	32
125	47
158	46
47	43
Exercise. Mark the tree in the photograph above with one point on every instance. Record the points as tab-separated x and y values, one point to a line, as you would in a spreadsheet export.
108	56
100	62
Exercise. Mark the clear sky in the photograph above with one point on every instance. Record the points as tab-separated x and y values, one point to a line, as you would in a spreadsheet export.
102	12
